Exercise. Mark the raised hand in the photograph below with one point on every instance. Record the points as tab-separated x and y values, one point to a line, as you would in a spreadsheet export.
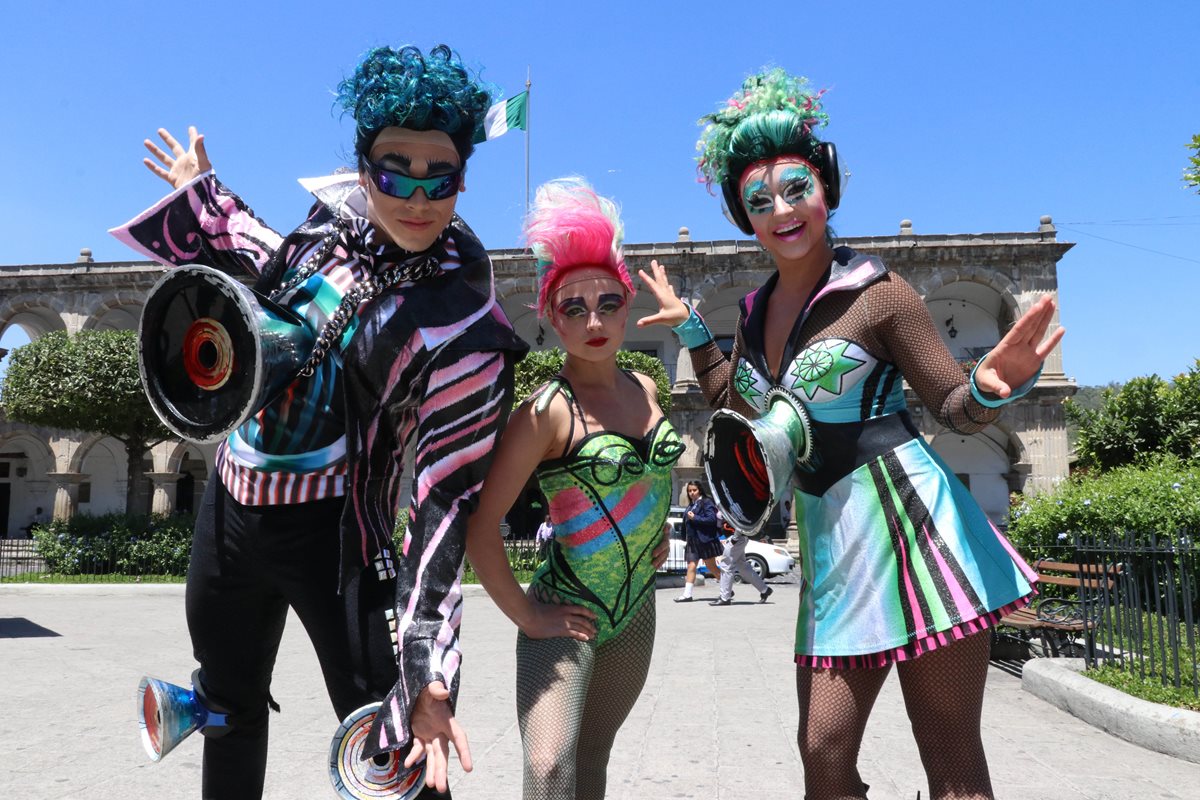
671	310
433	729
551	620
180	166
1021	352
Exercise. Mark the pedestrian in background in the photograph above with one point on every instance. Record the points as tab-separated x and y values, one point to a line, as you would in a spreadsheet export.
703	535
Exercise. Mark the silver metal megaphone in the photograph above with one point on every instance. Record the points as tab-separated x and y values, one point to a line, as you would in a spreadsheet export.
212	352
168	714
749	463
382	777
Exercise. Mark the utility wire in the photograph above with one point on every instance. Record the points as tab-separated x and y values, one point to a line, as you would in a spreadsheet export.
1136	220
1127	244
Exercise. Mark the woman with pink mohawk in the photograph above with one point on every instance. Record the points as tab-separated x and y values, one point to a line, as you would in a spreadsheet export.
602	450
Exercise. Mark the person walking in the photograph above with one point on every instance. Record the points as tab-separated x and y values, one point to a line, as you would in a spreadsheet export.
703	535
733	561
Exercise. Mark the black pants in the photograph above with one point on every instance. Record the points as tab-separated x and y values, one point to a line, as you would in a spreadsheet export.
249	563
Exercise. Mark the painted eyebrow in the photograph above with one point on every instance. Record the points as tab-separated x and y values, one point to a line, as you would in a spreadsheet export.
396	158
439	166
612	298
571	301
433	169
796	172
754	187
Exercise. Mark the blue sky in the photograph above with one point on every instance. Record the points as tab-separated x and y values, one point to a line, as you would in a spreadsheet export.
961	117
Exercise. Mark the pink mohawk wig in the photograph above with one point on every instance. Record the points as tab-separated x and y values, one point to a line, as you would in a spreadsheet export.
569	227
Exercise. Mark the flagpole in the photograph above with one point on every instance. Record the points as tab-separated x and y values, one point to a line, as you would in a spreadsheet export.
527	98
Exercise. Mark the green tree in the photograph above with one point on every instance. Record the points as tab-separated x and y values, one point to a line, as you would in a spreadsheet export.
86	382
542	365
1144	418
1191	175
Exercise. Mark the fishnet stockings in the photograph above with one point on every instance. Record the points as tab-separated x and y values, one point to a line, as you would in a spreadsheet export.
943	694
572	698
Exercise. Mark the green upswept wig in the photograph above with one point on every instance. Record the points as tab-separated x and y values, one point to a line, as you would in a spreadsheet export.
405	89
773	114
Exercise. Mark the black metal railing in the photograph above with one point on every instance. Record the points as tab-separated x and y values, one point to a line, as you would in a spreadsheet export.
1145	619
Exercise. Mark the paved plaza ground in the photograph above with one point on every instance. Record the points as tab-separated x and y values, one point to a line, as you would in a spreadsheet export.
717	718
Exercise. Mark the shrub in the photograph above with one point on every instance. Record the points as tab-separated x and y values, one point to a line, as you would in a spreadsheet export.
125	544
1162	497
542	365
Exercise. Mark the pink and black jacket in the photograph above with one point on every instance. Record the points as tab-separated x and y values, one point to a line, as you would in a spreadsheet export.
431	358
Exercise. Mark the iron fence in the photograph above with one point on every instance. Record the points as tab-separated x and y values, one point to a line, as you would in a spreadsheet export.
1145	620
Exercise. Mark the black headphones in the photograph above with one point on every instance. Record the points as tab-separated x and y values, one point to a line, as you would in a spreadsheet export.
825	159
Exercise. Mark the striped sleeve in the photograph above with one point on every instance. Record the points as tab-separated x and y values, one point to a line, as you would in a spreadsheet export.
202	222
466	403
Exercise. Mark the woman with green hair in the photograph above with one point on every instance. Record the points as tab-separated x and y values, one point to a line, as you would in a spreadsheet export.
900	566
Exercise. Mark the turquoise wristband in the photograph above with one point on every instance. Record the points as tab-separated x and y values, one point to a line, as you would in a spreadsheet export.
692	332
1017	393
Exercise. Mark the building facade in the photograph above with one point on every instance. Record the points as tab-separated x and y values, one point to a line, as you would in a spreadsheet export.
975	286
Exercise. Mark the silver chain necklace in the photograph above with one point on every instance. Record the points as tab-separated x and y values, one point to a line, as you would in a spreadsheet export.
368	288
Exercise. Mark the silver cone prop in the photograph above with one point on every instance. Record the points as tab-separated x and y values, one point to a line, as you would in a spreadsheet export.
383	777
168	714
749	463
212	352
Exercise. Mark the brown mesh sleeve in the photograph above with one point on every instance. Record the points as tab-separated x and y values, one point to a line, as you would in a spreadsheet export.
714	373
907	335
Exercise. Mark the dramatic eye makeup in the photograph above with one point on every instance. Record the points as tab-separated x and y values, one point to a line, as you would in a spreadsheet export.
796	183
757	198
574	307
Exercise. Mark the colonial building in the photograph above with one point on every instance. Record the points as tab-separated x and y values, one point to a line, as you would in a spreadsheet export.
975	285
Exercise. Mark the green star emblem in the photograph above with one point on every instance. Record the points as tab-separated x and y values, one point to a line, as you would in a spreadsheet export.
823	366
743	381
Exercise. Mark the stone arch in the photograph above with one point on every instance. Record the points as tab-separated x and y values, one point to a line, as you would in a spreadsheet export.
988	460
970	313
718	282
121	312
25	459
101	459
37	450
35	314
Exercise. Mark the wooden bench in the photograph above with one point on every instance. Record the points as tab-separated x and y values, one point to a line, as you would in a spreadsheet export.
1057	622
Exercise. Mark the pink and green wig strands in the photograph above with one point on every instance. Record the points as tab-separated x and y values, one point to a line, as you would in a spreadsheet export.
773	114
569	227
404	88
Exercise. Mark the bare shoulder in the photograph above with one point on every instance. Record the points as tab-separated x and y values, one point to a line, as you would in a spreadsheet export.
544	418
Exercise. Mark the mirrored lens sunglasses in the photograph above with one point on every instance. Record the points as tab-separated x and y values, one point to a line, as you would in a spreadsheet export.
395	184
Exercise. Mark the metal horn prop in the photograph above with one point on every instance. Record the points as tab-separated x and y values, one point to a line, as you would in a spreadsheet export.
212	352
168	714
382	777
749	463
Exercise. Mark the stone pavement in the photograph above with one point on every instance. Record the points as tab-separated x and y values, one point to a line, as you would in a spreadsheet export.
717	718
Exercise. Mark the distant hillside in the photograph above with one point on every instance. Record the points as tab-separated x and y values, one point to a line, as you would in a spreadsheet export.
1090	398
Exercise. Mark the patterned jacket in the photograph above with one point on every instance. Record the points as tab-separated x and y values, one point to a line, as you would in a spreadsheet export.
432	358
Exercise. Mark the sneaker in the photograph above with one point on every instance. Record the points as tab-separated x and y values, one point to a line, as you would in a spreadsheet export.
720	602
683	599
762	597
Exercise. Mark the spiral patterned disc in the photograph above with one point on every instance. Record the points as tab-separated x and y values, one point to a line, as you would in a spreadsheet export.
356	779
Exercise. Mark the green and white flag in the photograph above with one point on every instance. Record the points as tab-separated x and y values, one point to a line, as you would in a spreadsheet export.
505	116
